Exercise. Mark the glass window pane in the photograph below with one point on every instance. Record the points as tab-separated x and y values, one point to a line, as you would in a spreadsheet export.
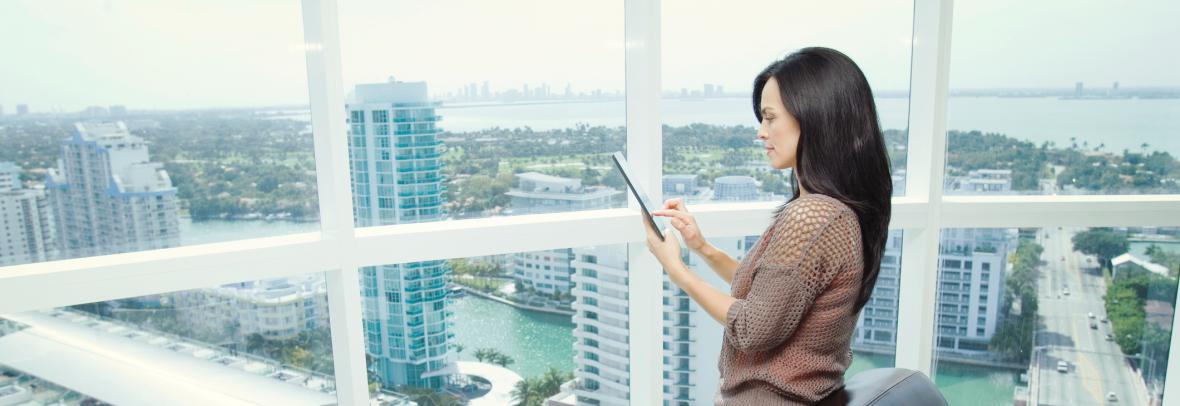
553	323
125	142
874	343
692	338
1058	315
257	342
1045	101
711	151
519	115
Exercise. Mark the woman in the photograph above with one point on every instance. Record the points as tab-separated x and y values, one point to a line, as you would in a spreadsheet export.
795	297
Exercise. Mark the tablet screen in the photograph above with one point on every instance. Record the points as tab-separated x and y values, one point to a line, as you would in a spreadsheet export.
645	204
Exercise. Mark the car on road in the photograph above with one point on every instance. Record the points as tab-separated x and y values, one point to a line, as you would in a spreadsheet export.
1090	315
1062	366
1111	397
1093	325
1109	337
1065	291
1104	320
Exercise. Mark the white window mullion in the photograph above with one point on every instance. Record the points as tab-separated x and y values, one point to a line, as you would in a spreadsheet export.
929	78
326	91
538	232
329	127
915	304
1061	211
46	285
645	307
348	342
486	236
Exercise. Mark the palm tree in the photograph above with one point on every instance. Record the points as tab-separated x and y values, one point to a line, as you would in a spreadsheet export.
493	356
482	354
503	360
525	393
429	397
255	343
550	383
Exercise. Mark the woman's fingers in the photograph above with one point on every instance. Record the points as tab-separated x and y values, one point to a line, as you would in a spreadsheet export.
678	223
674	214
675	204
680	220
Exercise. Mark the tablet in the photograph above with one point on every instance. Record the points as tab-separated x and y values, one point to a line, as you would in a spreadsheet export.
645	204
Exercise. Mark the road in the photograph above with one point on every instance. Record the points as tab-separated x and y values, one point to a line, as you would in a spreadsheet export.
1096	366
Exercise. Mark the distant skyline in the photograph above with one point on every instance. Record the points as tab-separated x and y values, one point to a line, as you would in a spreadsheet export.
219	53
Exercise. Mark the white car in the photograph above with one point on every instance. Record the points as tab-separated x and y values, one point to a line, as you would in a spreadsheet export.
1090	315
1065	291
1111	397
1062	366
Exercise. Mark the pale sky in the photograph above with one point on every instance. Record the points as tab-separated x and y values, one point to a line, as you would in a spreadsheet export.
67	54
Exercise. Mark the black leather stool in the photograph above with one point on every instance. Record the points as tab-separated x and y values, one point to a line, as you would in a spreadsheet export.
886	387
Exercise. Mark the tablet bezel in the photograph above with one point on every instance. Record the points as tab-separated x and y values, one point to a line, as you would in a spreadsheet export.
621	163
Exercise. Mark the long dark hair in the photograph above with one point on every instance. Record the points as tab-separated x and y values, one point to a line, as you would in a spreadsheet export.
841	151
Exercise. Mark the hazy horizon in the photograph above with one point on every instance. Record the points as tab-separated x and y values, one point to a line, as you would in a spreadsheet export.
9	108
151	56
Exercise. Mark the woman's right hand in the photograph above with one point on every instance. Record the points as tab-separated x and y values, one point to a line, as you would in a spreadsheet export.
685	223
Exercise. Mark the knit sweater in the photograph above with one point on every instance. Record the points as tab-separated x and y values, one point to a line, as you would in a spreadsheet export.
790	329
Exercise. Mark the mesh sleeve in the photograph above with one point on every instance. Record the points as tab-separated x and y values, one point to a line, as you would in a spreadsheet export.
804	254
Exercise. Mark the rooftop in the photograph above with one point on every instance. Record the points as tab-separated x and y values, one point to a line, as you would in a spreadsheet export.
124	366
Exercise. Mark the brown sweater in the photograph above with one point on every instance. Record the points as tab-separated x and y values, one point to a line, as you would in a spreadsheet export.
790	329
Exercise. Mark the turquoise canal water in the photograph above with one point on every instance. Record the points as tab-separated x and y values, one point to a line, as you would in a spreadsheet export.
536	341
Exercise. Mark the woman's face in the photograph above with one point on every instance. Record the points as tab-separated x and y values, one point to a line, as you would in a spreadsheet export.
779	132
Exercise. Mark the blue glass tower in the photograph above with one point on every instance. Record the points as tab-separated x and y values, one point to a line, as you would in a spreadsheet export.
395	160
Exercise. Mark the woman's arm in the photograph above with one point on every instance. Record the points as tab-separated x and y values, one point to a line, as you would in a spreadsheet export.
715	302
721	263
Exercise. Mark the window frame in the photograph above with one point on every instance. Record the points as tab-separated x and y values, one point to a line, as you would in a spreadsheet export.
339	249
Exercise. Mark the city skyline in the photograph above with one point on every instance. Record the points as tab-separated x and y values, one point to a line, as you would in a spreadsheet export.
509	95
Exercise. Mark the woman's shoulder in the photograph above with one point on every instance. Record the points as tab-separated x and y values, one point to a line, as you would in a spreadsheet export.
808	220
812	207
